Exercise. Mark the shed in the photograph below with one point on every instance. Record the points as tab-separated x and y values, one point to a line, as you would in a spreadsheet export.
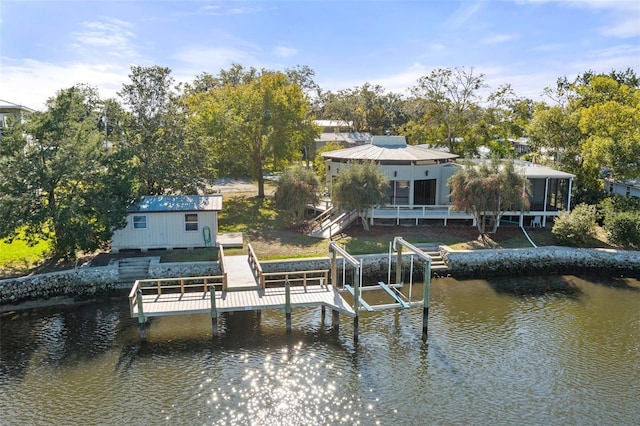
170	222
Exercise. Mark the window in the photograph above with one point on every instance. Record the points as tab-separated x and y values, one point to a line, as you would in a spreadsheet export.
140	222
191	222
398	192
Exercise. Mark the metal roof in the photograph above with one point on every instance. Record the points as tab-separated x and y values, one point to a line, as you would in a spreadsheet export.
178	203
528	169
407	153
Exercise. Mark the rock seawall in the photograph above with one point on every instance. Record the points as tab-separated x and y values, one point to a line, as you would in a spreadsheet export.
90	281
542	260
78	283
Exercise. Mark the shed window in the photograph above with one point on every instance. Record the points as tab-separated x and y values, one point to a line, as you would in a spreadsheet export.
140	222
191	222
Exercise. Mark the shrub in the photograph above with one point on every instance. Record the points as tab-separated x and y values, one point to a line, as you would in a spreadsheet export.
576	228
623	228
297	188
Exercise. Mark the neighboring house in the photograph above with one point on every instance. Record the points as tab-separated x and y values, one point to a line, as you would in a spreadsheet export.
339	131
627	189
418	176
170	222
12	113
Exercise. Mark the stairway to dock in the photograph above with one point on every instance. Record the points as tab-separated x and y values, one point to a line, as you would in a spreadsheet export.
131	269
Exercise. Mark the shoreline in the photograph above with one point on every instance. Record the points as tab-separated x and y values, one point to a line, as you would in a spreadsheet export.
77	286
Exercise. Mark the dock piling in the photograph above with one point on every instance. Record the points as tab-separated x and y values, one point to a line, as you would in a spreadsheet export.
214	311
287	304
141	318
425	298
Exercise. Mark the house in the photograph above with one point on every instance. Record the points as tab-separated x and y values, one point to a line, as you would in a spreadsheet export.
339	131
12	113
170	222
418	178
628	189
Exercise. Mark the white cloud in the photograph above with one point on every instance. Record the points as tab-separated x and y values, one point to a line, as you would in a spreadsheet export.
498	38
284	52
212	59
218	10
463	14
31	83
108	37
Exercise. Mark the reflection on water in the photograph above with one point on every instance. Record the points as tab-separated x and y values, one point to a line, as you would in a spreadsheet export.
551	350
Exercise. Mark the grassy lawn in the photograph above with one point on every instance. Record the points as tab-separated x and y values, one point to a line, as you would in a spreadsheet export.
18	256
271	238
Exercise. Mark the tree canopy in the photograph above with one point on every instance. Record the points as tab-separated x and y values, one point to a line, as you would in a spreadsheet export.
487	191
298	188
253	126
360	187
166	157
57	182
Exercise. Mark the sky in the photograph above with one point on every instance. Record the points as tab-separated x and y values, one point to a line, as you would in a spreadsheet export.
46	46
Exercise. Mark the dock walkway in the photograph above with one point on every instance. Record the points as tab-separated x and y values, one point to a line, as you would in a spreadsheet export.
190	295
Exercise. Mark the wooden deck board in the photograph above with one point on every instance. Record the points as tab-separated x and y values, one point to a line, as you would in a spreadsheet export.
242	300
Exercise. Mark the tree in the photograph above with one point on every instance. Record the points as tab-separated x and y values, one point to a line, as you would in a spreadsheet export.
368	108
450	97
58	182
255	126
505	117
487	191
297	188
360	187
319	164
167	158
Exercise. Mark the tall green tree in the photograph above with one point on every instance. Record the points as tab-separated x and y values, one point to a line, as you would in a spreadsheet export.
253	127
167	158
487	191
369	108
360	187
57	180
297	188
450	103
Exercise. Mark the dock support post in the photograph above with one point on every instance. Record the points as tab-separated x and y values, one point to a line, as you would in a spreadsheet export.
398	263
141	318
356	301
425	298
287	304
214	311
335	319
322	313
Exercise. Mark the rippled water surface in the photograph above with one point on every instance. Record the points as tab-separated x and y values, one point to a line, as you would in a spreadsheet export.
566	353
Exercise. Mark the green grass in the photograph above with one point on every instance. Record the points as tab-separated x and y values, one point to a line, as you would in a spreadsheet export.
18	254
196	255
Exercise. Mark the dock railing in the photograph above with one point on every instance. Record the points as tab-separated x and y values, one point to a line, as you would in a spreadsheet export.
256	269
319	276
181	285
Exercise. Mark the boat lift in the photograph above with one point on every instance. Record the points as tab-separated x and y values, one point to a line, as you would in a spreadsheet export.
400	300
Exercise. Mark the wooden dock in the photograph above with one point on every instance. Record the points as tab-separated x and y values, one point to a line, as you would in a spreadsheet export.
244	286
241	287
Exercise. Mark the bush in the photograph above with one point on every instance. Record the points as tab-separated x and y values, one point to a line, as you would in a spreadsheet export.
576	228
297	188
623	228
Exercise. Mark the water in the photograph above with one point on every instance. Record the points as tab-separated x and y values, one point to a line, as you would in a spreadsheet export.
566	353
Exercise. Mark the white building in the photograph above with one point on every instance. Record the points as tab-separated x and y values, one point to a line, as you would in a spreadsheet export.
418	179
12	113
170	222
627	189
